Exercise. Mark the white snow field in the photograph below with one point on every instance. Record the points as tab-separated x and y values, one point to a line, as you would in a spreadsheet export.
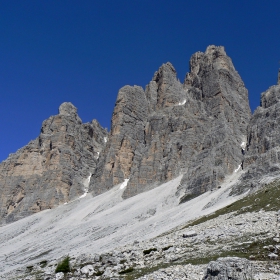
102	223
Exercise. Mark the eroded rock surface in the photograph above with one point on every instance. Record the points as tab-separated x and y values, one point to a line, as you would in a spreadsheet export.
229	268
52	169
262	152
195	128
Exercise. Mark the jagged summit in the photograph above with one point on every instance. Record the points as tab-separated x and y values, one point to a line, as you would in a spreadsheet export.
51	169
68	109
174	152
262	157
197	129
164	70
194	128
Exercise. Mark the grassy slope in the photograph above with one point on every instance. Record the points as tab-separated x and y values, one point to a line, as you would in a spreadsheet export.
267	199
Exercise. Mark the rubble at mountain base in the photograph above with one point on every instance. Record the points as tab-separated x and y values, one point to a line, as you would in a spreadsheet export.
253	235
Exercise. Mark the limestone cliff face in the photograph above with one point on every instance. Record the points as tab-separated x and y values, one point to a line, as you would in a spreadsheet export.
127	133
262	152
195	128
52	169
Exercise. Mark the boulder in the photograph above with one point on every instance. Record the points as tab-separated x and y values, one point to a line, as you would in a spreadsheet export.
189	234
229	268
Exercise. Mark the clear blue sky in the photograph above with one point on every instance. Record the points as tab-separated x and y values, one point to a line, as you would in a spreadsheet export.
83	51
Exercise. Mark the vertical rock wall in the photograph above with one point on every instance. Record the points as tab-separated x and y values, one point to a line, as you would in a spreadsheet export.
262	153
53	168
195	128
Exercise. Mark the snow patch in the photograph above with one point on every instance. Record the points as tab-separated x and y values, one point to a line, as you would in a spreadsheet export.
243	145
105	139
124	184
183	102
86	185
97	155
239	166
83	195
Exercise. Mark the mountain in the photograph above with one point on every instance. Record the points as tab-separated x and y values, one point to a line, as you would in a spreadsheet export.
195	128
262	152
186	175
52	169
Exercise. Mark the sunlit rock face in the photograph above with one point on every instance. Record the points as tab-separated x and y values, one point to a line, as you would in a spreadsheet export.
262	153
195	128
52	169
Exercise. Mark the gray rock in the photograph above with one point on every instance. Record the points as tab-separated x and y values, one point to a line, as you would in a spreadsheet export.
127	133
195	129
273	256
229	268
262	153
189	234
52	169
88	269
59	276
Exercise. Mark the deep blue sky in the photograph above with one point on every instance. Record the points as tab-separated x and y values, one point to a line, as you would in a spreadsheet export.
83	51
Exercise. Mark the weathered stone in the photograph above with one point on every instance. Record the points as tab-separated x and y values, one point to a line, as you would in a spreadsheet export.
88	269
229	268
195	129
127	133
52	169
262	155
189	234
59	276
273	256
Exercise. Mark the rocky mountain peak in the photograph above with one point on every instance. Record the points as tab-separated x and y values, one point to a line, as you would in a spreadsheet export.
213	60
69	110
262	158
165	72
54	168
173	142
194	129
270	97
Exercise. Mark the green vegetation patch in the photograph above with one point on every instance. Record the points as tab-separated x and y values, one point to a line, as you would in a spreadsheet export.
99	273
148	251
29	268
130	269
136	273
267	198
63	266
255	249
167	247
188	197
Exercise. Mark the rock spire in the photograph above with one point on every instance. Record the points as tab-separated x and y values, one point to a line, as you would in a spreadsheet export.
195	128
53	168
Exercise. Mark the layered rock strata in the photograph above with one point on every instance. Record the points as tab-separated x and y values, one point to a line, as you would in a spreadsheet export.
52	169
195	128
262	152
